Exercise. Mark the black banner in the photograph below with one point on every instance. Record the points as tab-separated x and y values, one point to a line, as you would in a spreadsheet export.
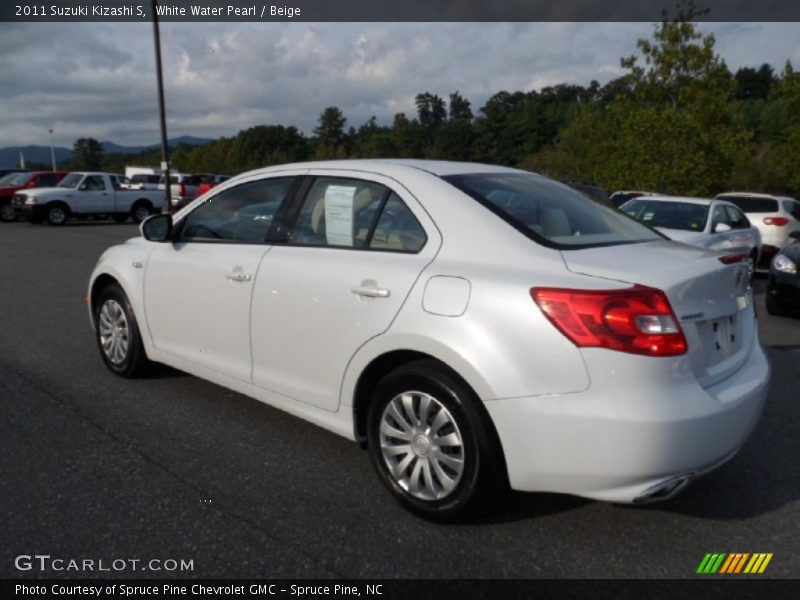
376	11
708	588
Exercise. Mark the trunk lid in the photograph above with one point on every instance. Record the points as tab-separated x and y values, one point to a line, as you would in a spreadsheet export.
712	301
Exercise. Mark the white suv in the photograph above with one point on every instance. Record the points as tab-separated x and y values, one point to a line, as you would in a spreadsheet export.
774	216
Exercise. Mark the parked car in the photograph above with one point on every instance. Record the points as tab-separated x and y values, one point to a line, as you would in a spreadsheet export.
81	194
145	182
783	281
775	216
591	189
713	224
476	326
14	182
10	170
182	190
211	181
617	199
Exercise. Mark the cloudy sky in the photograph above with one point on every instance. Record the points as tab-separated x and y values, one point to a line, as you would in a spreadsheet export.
97	79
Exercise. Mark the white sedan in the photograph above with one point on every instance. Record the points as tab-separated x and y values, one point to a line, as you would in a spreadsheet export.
476	326
714	224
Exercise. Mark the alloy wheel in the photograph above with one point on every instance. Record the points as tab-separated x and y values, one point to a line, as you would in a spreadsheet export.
421	445
114	331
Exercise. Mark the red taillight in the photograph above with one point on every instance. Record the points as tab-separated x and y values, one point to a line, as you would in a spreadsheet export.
637	320
730	259
181	190
777	221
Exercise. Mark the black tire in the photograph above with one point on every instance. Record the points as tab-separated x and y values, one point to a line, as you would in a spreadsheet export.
120	217
133	362
7	214
140	210
774	307
56	214
482	479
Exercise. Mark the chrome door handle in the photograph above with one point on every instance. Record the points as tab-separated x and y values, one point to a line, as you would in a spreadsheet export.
370	291
239	276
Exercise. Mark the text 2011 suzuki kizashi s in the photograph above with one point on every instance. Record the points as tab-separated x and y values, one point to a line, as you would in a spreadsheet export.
477	326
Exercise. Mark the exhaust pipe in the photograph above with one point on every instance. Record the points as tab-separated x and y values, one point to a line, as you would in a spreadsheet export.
664	490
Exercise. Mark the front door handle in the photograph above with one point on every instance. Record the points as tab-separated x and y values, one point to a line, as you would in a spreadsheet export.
370	289
239	276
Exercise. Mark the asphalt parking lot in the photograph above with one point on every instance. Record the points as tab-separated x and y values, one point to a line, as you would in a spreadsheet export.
94	466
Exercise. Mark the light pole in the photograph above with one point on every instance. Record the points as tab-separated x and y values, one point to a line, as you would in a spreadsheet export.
162	111
52	152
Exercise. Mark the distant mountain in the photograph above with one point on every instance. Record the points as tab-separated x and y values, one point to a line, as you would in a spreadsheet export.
9	157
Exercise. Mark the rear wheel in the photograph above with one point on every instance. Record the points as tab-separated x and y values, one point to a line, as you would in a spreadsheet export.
140	211
56	215
432	444
117	334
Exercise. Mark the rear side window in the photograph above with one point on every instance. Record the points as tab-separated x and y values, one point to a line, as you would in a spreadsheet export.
242	214
350	213
792	207
47	180
752	204
551	213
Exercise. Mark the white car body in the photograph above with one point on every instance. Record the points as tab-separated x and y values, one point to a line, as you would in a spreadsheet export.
716	231
299	327
774	216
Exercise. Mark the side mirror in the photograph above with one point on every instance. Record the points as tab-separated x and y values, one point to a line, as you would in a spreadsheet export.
795	235
83	187
721	228
157	228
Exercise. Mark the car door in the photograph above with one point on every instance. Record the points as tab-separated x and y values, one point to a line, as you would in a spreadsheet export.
357	246
92	196
722	236
197	290
744	234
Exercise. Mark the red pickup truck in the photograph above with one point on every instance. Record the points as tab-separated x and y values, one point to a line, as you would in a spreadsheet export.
11	183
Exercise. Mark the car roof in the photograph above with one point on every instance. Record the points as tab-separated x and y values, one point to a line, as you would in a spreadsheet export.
683	199
756	195
440	168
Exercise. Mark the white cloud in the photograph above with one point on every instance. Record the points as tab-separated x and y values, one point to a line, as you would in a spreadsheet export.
98	79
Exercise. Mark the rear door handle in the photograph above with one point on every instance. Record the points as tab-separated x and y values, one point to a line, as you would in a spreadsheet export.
370	291
239	276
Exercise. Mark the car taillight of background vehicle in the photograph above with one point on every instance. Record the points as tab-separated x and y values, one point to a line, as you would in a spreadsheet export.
777	221
637	320
730	259
182	190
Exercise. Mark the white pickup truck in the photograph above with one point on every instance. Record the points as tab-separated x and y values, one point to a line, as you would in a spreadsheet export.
81	194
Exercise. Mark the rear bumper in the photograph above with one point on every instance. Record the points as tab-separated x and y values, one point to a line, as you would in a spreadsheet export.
624	442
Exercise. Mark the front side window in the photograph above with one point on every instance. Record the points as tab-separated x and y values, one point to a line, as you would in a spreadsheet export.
736	218
243	214
551	213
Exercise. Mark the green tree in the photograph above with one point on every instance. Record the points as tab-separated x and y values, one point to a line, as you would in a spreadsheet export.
87	154
329	133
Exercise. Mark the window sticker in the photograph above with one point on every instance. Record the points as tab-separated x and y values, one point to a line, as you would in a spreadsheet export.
339	214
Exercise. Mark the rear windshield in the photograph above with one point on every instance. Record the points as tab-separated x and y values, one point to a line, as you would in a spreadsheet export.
551	213
670	215
752	204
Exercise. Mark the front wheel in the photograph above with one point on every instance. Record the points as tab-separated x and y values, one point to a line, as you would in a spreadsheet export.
117	334
432	444
56	215
7	214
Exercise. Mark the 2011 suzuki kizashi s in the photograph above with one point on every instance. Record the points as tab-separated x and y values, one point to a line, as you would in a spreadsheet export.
477	326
